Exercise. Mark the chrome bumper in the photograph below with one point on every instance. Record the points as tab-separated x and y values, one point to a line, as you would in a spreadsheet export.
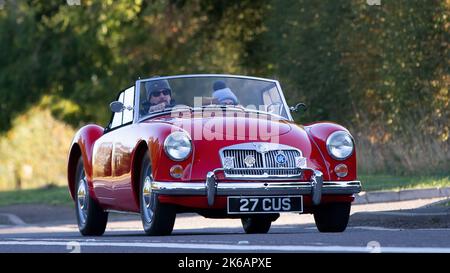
212	188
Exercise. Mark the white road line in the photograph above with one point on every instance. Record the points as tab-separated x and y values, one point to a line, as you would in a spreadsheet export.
14	219
411	214
376	228
226	247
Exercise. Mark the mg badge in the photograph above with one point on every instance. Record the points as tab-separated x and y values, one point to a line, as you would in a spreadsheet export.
261	147
228	162
280	158
249	161
300	162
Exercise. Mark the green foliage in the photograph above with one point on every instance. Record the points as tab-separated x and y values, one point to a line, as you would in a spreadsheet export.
34	152
50	195
382	71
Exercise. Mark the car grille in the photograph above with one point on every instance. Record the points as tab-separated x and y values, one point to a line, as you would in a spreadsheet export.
263	162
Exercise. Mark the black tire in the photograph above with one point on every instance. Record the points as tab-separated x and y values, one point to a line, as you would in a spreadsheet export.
157	218
256	224
91	218
332	217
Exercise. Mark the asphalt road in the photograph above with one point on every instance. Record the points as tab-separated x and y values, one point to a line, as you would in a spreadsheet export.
403	227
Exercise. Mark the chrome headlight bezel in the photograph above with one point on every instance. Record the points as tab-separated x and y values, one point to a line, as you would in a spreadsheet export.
333	141
175	141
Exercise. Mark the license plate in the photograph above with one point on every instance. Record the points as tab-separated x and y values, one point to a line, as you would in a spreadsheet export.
264	204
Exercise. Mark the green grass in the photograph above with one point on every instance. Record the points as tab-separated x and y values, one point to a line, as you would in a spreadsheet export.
54	195
51	195
390	182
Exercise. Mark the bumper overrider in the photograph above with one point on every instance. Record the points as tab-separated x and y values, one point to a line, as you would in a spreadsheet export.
267	185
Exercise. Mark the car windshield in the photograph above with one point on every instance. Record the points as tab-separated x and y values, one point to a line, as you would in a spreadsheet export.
245	94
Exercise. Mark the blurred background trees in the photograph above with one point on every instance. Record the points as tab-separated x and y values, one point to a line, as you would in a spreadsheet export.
382	71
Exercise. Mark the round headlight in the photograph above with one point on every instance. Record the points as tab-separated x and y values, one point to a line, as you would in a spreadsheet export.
178	146
340	145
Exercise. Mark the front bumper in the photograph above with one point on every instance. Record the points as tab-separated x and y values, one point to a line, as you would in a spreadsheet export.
212	188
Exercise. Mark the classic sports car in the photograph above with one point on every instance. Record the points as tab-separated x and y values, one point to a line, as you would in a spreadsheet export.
222	146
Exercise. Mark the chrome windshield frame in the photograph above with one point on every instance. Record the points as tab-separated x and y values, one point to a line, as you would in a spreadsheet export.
138	119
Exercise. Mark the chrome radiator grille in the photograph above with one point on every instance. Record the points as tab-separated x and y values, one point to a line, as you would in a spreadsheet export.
271	163
239	156
264	163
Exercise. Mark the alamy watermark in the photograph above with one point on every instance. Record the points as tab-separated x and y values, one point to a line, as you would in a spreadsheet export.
374	247
73	2
69	2
74	247
218	122
373	2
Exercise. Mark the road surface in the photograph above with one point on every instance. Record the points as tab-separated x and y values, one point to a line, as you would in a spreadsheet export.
411	226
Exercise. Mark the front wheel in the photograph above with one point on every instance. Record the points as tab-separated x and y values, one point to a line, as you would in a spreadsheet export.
332	217
91	218
157	218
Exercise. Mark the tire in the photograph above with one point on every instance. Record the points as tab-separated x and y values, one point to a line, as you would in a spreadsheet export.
332	217
91	218
256	224
157	218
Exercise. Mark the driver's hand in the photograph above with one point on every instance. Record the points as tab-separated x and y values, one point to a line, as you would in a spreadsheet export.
158	107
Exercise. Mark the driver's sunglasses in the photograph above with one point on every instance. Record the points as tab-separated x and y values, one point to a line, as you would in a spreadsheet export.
158	93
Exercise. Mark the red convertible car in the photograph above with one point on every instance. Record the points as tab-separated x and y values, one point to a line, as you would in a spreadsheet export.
222	146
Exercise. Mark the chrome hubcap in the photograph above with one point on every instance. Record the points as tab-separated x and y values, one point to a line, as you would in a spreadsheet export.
82	199
147	199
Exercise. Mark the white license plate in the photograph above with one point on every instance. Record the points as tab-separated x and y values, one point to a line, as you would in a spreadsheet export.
264	204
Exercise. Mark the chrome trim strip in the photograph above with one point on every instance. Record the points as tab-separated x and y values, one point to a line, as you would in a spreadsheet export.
239	188
277	84
211	188
283	99
210	76
137	98
253	146
316	185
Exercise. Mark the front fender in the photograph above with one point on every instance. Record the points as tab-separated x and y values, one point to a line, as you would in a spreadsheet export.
82	145
318	133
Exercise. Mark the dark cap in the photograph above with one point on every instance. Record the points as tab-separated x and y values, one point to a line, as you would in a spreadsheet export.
155	85
219	85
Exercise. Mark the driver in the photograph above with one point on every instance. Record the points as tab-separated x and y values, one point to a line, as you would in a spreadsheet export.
223	95
159	96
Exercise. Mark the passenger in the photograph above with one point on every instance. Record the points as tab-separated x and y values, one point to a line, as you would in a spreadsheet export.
223	95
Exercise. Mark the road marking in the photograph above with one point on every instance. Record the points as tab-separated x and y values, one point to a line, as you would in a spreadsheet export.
411	214
14	219
227	247
376	228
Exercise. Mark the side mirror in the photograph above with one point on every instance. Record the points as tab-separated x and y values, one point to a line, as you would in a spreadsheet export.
116	106
298	106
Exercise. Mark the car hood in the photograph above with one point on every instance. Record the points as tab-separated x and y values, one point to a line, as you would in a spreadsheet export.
242	126
211	134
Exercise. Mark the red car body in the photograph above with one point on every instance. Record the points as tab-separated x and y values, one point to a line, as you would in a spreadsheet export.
112	164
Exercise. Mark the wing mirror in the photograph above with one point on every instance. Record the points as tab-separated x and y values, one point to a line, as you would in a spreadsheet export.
117	107
298	106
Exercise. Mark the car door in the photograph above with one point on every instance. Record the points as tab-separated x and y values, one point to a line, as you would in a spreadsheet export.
125	140
111	157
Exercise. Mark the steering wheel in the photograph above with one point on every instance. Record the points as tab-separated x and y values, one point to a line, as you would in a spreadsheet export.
275	108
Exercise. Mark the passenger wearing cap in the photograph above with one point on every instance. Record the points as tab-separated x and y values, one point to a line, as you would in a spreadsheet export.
223	95
159	96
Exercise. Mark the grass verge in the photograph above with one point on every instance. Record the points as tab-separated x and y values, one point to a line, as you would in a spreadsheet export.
54	195
51	195
390	182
